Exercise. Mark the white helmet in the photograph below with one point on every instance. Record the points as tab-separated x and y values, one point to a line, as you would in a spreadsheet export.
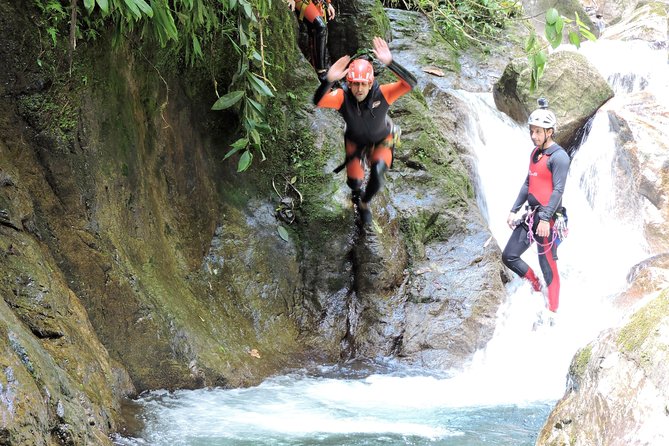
542	117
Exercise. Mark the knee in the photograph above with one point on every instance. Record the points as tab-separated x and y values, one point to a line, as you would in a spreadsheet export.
507	259
353	183
378	172
319	25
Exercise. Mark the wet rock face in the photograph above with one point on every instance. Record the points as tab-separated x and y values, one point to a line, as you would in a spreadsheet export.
618	386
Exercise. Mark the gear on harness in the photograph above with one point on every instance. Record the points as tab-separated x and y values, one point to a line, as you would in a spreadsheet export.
560	227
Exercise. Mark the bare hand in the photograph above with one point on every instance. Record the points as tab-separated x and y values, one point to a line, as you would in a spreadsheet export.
291	4
381	51
338	69
511	220
331	12
543	229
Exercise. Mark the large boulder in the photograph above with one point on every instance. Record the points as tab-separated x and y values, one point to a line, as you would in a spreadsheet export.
573	86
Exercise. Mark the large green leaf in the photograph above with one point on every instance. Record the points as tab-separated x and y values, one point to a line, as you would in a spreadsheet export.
283	233
247	9
238	145
551	16
146	9
559	25
228	100
104	5
255	136
89	5
241	143
132	6
244	161
259	85
243	40
588	35
552	36
257	106
574	39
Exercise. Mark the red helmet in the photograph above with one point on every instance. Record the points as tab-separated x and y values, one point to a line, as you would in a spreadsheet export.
360	70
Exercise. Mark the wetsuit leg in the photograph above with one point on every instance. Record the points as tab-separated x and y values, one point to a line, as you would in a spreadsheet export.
382	157
317	26
320	31
354	171
515	248
548	263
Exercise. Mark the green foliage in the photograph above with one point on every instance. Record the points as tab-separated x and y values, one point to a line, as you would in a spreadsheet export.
188	26
464	22
577	32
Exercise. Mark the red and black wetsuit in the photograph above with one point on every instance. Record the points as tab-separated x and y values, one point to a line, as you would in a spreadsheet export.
367	126
314	14
542	190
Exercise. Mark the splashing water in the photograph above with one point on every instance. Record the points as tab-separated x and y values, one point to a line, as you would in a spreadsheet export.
505	394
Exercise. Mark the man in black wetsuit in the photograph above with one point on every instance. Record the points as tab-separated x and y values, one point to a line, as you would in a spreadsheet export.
363	104
542	190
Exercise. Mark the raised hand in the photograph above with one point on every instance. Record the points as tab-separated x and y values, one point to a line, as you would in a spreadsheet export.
381	51
338	69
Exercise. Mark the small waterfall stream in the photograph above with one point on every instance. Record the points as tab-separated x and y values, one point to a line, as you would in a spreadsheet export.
505	394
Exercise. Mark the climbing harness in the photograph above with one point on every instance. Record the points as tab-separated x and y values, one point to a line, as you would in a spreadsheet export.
559	231
364	151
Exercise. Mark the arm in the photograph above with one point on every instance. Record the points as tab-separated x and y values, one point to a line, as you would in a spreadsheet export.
406	80
520	200
382	52
334	99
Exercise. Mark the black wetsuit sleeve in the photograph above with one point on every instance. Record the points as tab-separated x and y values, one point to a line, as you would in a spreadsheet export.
402	73
322	90
559	167
522	195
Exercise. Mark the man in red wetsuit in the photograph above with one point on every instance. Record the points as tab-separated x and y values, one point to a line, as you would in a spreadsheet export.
542	190
363	104
315	15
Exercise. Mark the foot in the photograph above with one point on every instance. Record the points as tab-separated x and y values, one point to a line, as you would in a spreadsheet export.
533	279
355	198
365	213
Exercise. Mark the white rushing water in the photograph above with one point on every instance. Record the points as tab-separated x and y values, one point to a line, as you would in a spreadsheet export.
504	395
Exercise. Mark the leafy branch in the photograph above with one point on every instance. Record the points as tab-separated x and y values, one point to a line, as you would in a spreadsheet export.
464	22
188	26
577	32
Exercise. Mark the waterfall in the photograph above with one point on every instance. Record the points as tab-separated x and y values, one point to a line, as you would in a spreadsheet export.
606	221
504	395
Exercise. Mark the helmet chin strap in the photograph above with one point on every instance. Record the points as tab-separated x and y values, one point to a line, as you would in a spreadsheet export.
543	144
